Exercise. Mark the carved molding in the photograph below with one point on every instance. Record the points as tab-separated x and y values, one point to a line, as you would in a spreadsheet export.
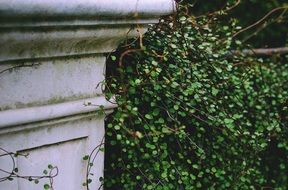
41	29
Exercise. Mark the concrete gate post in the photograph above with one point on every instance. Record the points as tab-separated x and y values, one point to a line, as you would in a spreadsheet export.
52	56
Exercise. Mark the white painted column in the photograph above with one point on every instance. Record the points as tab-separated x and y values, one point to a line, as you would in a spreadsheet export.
52	56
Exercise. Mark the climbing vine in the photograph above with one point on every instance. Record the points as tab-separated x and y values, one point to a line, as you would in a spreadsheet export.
194	112
13	173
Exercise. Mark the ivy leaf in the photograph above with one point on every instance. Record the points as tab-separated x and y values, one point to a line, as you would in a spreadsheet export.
214	91
148	116
46	186
113	58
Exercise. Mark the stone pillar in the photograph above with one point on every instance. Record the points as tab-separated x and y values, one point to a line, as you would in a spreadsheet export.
52	56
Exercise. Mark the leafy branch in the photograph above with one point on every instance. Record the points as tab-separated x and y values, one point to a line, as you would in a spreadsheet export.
12	174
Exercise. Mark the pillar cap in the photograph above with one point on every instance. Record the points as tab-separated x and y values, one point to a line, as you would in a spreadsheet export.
76	12
32	29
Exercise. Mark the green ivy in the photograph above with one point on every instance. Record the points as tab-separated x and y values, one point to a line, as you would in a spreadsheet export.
192	115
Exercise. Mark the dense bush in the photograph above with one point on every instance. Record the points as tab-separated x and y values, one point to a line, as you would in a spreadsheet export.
193	114
271	32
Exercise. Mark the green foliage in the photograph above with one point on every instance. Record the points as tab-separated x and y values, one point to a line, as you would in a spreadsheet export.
46	186
192	115
271	32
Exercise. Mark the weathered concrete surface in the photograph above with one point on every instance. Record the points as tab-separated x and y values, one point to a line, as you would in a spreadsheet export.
61	143
47	42
82	9
52	56
45	82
